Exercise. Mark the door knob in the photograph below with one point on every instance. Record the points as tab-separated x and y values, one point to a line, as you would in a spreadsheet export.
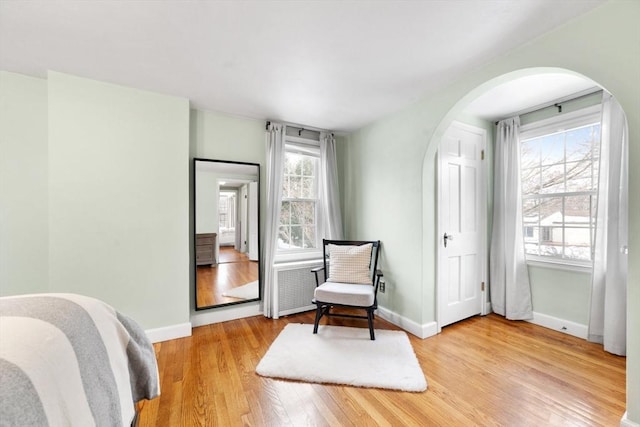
447	237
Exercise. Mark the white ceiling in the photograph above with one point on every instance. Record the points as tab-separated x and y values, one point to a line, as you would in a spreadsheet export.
524	93
328	64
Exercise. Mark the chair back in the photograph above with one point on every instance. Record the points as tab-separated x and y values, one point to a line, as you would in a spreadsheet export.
373	262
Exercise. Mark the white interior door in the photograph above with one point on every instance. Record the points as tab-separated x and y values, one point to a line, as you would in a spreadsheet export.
462	222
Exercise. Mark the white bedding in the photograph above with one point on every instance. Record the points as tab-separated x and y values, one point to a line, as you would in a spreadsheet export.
68	359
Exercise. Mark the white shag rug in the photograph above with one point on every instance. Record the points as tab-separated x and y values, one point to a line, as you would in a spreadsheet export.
248	291
344	355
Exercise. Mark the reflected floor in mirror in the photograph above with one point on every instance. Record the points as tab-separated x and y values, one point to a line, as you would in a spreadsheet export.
234	270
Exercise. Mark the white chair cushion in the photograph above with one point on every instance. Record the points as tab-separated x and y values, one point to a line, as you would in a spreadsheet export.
350	264
345	293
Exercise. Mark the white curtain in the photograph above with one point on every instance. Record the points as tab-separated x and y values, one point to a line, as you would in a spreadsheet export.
275	160
510	288
607	319
329	185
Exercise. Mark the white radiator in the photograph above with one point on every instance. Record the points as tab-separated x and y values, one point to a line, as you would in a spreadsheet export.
294	286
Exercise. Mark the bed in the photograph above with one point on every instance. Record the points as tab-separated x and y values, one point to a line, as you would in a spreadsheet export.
71	360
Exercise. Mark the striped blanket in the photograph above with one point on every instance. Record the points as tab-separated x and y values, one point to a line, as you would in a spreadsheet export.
67	359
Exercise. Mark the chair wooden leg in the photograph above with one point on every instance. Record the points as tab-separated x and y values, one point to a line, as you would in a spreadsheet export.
318	316
370	318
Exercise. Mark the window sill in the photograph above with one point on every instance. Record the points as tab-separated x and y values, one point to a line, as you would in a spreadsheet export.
557	265
283	258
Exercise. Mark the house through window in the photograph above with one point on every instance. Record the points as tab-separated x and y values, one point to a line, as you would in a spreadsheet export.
559	170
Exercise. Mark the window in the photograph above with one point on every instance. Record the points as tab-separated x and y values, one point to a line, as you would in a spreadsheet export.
528	232
227	210
559	170
298	230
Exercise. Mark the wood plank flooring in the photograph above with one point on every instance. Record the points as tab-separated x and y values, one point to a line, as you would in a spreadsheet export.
482	371
234	269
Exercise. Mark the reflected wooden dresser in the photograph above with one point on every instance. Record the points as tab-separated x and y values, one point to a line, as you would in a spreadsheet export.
205	249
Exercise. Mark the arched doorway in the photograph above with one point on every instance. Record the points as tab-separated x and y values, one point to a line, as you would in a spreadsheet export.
565	304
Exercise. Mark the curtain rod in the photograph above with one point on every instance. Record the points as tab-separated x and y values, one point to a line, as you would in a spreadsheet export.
557	103
300	127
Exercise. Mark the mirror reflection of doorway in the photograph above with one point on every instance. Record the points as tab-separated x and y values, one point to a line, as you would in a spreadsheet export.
237	276
227	265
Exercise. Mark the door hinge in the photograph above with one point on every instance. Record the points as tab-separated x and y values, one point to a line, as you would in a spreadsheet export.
482	155
482	287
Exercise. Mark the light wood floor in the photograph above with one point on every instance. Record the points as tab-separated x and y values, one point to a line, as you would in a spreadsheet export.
234	269
482	371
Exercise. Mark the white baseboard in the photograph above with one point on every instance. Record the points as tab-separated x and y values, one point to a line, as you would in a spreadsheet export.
169	332
561	325
421	331
224	314
626	422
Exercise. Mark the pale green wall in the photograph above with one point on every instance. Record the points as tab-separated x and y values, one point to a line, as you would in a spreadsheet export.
24	216
381	191
96	195
221	136
389	183
561	293
206	202
118	197
224	137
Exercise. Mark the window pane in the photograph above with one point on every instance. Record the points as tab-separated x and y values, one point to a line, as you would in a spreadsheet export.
309	237
530	213
284	237
295	187
580	176
298	213
308	190
551	149
530	181
556	222
577	243
530	153
285	213
552	179
532	248
309	212
577	210
550	211
308	167
578	226
579	144
296	236
289	163
302	213
549	249
285	187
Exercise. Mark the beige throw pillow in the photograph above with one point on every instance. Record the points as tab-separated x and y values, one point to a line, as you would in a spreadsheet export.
349	264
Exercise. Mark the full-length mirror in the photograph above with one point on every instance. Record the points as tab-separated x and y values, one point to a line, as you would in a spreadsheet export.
227	206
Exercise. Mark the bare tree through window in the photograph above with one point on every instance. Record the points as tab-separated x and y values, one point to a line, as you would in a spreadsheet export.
559	174
299	202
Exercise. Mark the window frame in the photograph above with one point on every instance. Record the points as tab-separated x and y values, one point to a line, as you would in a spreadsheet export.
562	123
306	147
